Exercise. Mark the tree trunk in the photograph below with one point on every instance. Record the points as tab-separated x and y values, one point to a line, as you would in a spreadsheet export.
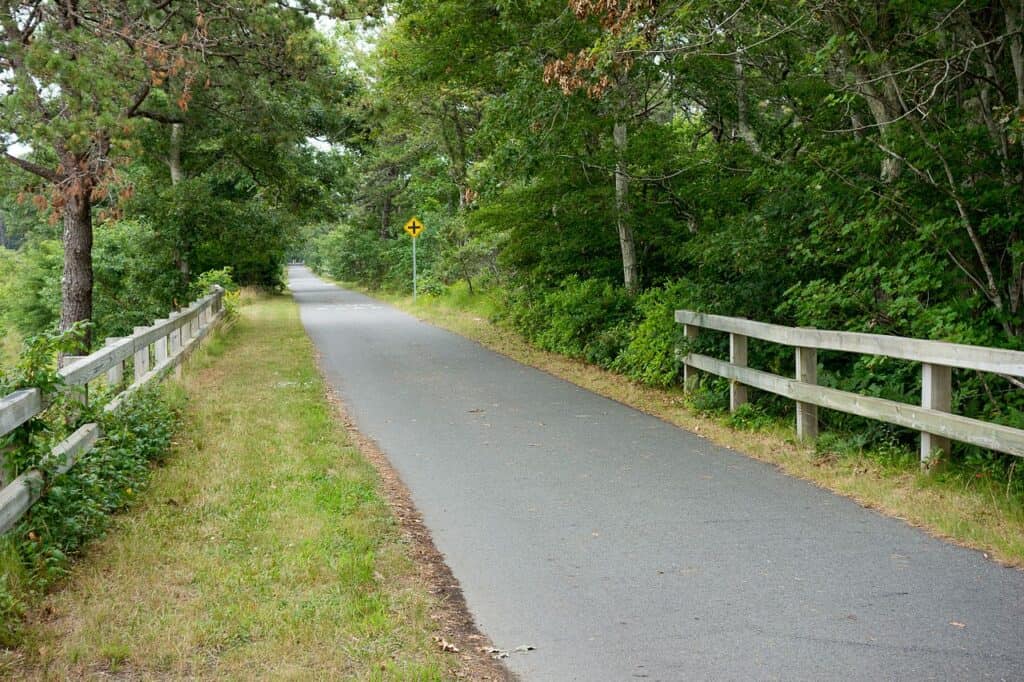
174	154
629	268
1013	18
76	284
882	99
746	133
883	106
385	216
177	175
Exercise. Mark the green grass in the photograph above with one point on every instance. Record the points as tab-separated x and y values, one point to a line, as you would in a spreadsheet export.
262	550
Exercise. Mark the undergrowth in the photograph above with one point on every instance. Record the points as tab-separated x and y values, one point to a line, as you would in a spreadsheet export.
885	446
262	548
74	507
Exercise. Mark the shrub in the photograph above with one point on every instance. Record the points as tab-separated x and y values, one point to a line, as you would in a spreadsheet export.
709	395
651	354
32	296
222	277
586	319
750	417
76	507
201	285
352	255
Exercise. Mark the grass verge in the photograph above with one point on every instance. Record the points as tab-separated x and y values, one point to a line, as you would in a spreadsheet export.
262	550
972	513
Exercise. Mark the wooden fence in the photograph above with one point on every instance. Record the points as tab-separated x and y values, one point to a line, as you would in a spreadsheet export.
932	418
148	354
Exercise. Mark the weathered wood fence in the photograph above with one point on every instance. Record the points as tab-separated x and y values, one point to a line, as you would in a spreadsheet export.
148	355
932	418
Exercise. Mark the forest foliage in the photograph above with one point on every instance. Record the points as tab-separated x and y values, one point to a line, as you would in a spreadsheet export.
594	165
591	165
143	143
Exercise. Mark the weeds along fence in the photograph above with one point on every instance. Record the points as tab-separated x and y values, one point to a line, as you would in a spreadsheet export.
145	356
932	418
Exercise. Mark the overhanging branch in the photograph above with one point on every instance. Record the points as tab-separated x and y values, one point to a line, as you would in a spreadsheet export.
158	117
34	168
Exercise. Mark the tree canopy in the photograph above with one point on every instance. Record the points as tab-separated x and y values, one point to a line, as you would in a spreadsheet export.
598	163
223	94
591	163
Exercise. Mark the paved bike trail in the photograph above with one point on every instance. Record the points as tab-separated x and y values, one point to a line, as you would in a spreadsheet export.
622	547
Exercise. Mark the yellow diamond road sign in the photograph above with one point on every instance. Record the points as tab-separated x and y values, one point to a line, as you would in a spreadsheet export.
414	227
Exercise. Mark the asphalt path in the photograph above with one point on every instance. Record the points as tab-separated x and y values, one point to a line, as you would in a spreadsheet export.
622	547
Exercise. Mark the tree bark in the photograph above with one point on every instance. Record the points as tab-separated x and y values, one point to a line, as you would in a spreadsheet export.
1013	18
1013	10
385	216
746	133
174	155
882	101
76	283
177	175
626	243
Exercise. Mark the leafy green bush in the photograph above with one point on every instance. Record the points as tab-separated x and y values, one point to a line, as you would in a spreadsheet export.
709	395
652	353
36	367
76	506
222	278
201	285
135	278
32	287
750	417
352	255
588	319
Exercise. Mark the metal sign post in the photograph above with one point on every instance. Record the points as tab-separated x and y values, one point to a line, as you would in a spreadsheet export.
414	227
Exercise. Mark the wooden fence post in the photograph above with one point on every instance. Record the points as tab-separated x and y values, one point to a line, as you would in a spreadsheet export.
141	358
160	347
689	373
175	343
936	394
174	338
80	394
737	356
806	413
115	375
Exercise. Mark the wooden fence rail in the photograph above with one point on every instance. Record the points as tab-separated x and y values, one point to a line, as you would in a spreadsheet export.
154	351
932	418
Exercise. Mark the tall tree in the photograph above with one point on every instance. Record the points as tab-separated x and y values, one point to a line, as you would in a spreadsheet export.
78	77
75	76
